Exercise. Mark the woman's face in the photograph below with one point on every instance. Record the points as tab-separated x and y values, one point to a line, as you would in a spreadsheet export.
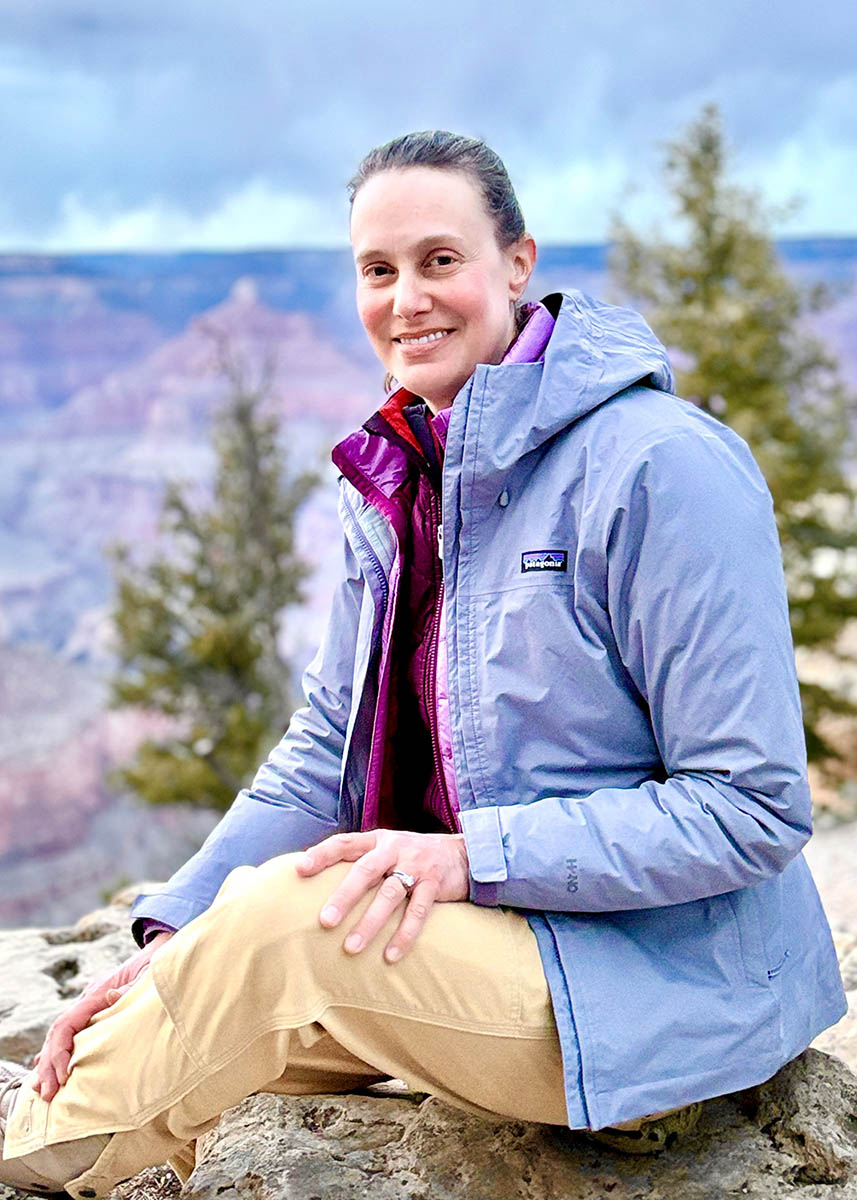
435	291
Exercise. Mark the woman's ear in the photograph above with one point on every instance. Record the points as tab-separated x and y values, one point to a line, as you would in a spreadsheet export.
522	259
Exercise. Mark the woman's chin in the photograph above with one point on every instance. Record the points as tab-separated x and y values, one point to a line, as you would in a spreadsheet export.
437	393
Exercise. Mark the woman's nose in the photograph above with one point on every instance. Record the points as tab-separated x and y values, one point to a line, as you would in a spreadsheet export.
411	296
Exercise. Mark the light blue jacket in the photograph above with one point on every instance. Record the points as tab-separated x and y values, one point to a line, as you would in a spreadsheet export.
626	725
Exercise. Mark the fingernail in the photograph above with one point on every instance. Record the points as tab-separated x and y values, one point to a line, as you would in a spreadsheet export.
394	954
305	861
329	915
353	943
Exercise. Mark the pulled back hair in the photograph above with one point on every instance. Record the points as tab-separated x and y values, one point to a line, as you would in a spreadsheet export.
454	152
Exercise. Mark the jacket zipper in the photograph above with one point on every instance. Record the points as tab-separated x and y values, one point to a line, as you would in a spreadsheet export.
376	754
430	672
374	561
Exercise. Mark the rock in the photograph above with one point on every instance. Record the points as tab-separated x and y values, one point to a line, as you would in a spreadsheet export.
42	969
795	1136
841	1039
809	1109
155	1183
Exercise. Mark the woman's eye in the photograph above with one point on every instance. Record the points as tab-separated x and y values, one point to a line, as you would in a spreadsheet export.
441	260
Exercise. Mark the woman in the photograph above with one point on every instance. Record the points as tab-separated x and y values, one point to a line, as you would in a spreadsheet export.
568	706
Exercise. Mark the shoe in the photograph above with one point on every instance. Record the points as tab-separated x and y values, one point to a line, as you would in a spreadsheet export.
45	1171
650	1135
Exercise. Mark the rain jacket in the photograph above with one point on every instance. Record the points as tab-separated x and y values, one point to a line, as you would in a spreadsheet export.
626	728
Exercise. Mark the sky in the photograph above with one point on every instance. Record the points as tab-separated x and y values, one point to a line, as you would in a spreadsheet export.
230	124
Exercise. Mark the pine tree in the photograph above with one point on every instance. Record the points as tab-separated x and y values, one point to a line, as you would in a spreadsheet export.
718	296
198	624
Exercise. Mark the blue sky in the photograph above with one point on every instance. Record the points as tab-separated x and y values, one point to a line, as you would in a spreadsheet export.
236	123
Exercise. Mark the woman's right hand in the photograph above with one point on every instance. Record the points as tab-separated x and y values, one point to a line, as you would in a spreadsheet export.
52	1061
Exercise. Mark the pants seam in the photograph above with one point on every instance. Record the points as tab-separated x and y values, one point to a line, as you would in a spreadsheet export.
293	1022
172	1009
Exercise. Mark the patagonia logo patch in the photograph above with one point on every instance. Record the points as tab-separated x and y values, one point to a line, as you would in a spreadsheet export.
544	560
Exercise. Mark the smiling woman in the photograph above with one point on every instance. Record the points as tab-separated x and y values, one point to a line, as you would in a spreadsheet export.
534	841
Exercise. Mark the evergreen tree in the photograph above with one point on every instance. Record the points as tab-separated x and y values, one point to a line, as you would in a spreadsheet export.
197	625
718	295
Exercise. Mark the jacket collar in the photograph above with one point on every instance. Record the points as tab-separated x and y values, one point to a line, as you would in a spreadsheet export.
596	350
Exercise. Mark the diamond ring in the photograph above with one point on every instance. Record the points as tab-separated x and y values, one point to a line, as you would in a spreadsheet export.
407	881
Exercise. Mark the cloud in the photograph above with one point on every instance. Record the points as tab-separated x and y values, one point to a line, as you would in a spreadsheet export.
167	121
256	215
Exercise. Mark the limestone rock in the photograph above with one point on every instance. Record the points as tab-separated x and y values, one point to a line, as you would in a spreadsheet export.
795	1136
42	969
810	1110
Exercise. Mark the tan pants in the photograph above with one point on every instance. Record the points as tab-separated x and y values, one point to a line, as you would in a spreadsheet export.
254	995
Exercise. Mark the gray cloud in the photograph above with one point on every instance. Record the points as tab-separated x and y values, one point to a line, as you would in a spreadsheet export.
108	107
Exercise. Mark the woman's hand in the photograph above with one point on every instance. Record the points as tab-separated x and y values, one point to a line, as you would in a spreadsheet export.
52	1061
436	861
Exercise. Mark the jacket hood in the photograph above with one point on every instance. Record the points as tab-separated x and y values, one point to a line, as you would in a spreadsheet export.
595	351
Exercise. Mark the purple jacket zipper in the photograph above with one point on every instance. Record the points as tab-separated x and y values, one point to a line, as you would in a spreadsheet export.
374	772
430	678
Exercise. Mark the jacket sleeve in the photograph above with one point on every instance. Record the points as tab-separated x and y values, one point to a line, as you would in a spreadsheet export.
696	600
294	799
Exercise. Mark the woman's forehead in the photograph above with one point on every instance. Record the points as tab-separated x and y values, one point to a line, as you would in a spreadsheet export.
417	204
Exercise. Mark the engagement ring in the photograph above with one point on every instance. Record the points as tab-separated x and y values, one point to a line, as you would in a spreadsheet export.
407	881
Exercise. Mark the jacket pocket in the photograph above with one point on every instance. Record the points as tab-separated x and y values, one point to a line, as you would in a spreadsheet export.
745	910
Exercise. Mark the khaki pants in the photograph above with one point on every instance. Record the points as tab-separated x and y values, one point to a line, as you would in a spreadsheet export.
254	995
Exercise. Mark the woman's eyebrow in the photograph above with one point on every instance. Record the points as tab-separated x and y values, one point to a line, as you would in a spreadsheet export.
433	239
367	256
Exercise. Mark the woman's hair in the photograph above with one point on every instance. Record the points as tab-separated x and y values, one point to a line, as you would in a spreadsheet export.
453	152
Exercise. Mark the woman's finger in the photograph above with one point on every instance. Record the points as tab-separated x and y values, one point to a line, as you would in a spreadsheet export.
340	847
59	1050
367	873
391	895
48	1083
61	1061
416	914
116	993
55	1055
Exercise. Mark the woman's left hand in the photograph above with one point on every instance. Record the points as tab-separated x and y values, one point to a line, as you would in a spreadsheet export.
436	861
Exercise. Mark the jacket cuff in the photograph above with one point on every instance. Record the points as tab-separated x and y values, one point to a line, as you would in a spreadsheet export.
167	912
150	928
484	894
483	837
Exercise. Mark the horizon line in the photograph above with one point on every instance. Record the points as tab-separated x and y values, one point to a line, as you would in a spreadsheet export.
268	248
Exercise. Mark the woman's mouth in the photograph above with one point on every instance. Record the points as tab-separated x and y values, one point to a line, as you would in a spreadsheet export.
422	339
